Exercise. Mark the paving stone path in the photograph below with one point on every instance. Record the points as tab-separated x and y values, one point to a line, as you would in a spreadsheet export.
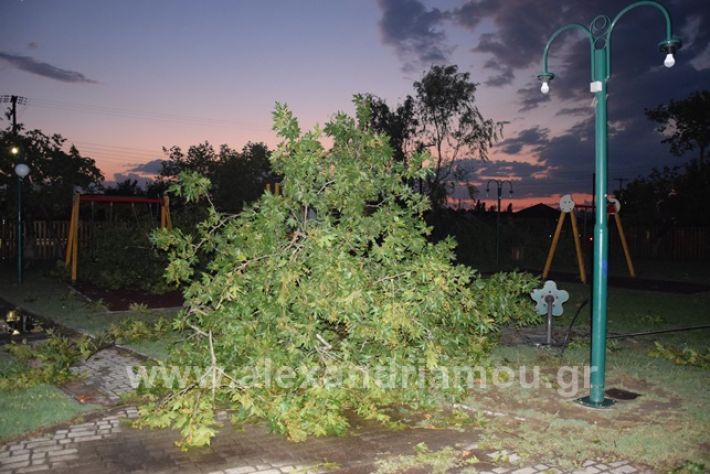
108	444
103	378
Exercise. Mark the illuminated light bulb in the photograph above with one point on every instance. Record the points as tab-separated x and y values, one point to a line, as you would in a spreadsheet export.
669	61
545	88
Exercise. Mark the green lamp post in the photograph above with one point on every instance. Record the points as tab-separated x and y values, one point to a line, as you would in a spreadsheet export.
21	170
599	35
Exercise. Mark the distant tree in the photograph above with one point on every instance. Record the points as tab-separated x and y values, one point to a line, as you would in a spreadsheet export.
443	118
127	187
399	124
240	177
55	173
450	124
686	124
237	177
199	158
671	196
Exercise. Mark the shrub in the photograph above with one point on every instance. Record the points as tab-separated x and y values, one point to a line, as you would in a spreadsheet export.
335	276
122	256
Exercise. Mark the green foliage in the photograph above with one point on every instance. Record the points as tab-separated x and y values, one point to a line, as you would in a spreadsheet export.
190	412
499	296
689	467
131	330
122	256
335	276
140	308
236	177
53	358
55	173
438	462
451	126
682	355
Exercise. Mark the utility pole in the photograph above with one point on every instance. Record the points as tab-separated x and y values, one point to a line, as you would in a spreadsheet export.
13	100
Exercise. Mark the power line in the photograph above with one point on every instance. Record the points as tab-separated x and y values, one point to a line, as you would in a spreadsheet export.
120	112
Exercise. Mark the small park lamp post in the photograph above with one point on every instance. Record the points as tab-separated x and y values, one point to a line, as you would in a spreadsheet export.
499	189
599	35
21	170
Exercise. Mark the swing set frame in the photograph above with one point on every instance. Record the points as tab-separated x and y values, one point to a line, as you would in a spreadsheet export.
611	210
71	256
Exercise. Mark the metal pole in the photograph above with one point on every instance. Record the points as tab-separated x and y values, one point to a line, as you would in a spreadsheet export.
20	244
549	299
599	34
601	240
499	185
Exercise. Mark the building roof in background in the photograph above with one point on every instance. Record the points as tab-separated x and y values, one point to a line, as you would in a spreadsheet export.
538	211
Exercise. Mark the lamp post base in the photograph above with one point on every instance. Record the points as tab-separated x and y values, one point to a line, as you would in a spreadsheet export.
587	402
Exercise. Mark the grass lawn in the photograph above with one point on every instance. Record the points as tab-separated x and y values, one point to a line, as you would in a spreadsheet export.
28	409
51	298
667	426
646	269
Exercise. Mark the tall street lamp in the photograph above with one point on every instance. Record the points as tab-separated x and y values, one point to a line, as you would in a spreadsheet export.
499	188
599	35
21	170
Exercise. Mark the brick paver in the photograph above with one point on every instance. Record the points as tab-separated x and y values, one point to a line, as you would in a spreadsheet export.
103	378
108	444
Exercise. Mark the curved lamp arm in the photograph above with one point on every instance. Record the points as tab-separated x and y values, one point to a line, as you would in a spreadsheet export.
669	45
510	186
546	75
488	184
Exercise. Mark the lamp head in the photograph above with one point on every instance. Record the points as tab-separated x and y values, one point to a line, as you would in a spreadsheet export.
669	47
545	78
14	150
22	170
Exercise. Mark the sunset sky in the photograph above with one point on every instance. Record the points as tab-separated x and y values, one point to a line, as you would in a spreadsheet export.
122	79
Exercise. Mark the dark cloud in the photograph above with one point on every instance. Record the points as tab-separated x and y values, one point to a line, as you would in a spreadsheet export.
637	74
508	169
582	111
478	174
151	167
504	76
414	31
472	12
477	170
32	45
522	28
514	45
528	137
29	64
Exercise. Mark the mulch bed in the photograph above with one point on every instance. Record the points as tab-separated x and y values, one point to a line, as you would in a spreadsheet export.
121	299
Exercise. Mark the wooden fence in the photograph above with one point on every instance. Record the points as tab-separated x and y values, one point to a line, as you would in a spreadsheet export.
671	243
43	240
